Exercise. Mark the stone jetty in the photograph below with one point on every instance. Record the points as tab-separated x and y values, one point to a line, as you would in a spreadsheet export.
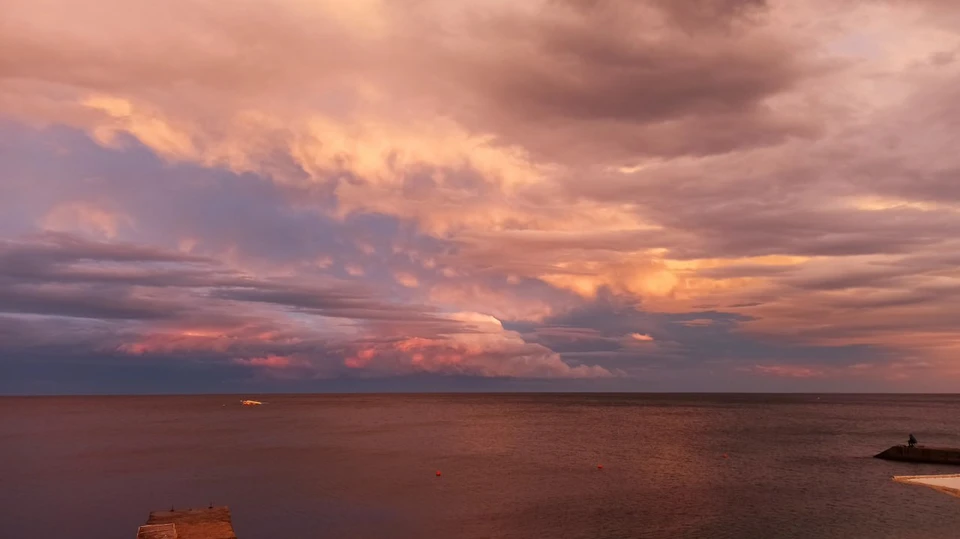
922	453
208	523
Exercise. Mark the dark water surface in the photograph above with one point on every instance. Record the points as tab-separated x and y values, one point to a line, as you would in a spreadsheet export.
519	466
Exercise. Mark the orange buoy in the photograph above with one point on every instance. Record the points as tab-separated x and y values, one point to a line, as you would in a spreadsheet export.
438	473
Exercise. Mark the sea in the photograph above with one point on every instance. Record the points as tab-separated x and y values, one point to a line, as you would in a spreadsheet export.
510	465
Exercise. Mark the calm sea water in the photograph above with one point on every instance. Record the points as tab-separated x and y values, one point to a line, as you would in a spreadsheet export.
518	466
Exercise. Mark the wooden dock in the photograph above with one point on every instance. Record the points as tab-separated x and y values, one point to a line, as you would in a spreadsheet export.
209	523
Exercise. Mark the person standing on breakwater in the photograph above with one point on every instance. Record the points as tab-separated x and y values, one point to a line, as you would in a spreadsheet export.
911	441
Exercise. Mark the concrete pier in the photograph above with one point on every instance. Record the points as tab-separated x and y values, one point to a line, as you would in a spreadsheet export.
209	523
922	453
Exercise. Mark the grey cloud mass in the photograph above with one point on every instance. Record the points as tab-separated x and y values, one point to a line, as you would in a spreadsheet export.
666	195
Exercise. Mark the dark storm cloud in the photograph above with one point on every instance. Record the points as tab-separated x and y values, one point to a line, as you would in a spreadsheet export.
54	257
63	276
39	276
59	274
881	276
603	79
697	14
335	302
901	298
83	304
681	342
49	248
225	317
746	213
572	340
609	78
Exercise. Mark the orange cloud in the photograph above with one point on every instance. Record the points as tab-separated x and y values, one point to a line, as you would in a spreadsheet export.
86	217
407	279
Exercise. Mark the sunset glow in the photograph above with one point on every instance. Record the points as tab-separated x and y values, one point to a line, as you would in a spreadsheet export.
750	195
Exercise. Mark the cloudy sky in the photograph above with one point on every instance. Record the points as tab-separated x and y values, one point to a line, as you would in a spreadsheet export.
321	195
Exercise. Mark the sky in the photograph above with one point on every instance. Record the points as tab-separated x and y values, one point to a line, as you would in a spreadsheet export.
481	195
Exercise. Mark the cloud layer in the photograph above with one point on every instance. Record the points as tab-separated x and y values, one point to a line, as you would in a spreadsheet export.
712	194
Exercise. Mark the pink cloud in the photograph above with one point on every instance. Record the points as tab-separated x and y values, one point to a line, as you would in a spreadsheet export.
697	322
271	362
486	350
360	359
787	371
448	356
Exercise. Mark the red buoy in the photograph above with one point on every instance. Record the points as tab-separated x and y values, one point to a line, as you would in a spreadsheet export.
725	456
438	473
599	466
